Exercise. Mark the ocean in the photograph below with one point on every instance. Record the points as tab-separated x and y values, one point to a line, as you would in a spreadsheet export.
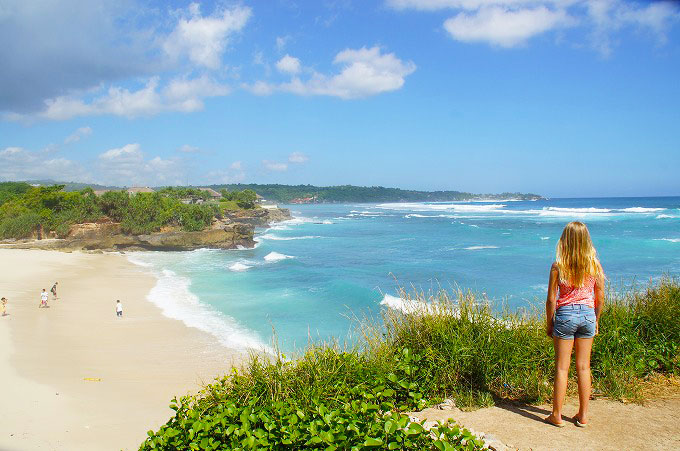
308	277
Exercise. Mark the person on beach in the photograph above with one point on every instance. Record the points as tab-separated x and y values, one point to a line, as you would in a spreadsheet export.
43	298
119	309
573	308
3	306
54	290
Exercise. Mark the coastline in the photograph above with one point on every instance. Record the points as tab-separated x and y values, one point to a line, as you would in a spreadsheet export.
74	376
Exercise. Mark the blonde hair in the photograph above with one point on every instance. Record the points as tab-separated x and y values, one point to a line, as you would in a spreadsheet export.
576	256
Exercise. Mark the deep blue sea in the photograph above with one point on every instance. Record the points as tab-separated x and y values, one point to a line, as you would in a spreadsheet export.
307	276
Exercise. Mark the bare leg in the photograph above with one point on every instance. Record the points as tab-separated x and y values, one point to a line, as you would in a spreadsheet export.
582	349
562	361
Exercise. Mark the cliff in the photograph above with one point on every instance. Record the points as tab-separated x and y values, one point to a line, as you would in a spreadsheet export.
234	230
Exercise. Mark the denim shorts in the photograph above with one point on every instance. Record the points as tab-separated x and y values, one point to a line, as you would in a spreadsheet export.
574	321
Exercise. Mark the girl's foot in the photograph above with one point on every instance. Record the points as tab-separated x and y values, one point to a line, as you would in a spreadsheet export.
579	422
554	421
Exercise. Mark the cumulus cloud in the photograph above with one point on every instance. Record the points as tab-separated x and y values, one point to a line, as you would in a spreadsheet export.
17	163
508	23
78	134
288	65
364	72
180	94
274	166
236	165
203	39
505	28
127	165
298	157
73	58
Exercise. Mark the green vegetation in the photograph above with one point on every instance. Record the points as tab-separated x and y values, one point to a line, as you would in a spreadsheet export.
349	193
332	398
27	211
243	199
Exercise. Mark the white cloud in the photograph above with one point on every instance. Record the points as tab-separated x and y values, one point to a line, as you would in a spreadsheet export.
502	27
236	165
233	174
274	166
508	23
17	163
127	165
289	65
180	94
186	148
298	157
281	42
203	40
80	133
365	72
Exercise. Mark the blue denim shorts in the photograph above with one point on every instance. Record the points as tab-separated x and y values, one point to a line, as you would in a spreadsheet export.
574	321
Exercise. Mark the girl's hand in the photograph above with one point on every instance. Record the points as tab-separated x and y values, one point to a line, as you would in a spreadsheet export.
597	327
549	330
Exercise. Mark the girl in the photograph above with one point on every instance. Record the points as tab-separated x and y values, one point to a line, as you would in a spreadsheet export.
573	308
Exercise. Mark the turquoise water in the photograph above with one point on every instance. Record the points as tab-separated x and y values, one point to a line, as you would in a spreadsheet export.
306	276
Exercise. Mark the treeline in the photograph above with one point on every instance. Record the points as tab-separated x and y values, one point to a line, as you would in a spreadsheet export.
27	211
350	193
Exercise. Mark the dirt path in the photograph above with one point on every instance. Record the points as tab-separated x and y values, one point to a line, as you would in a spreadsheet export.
613	426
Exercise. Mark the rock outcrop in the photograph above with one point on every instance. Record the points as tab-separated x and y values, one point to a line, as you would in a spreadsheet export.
261	217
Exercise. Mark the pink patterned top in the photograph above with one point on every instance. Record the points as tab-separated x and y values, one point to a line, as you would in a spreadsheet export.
568	295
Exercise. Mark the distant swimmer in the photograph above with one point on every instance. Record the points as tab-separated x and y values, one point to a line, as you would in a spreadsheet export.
3	306
54	290
43	298
119	309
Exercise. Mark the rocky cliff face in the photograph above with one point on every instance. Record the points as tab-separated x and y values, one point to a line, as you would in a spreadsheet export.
261	217
92	236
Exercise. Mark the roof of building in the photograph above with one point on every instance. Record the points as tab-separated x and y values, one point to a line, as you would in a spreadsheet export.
139	189
211	191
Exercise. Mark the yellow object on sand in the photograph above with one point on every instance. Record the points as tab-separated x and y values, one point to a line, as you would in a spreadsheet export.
92	379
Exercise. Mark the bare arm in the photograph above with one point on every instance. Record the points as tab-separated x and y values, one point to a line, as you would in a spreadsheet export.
551	300
599	301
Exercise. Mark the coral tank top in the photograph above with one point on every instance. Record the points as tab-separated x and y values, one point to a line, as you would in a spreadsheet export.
568	295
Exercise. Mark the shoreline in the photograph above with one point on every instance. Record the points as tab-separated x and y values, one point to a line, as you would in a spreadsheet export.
77	377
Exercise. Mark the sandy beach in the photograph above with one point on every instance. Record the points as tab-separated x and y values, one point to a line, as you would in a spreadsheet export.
74	376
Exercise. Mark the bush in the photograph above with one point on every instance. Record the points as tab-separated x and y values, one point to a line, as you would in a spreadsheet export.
449	347
23	225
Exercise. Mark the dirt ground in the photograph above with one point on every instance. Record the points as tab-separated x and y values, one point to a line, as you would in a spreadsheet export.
613	425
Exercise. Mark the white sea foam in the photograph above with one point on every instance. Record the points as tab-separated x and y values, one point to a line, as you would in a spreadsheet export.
665	217
269	236
672	240
416	215
327	222
275	257
476	248
473	225
545	237
411	307
238	267
464	208
641	210
173	296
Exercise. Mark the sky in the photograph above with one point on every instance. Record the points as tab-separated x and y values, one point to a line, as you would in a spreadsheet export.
564	98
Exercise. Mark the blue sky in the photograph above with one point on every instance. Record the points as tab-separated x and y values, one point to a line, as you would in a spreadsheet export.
564	98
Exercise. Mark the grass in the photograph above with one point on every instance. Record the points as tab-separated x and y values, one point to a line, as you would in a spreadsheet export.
455	347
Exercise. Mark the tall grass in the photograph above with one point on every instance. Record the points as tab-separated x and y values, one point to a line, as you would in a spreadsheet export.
448	345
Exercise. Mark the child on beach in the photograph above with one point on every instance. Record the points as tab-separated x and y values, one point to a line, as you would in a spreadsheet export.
573	308
119	309
3	306
43	298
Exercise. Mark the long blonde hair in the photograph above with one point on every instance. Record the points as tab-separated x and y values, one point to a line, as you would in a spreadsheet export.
576	256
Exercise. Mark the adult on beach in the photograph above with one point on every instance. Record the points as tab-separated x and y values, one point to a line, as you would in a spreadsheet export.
3	306
573	308
54	290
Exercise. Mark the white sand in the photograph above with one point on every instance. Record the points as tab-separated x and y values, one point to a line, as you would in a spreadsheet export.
142	359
